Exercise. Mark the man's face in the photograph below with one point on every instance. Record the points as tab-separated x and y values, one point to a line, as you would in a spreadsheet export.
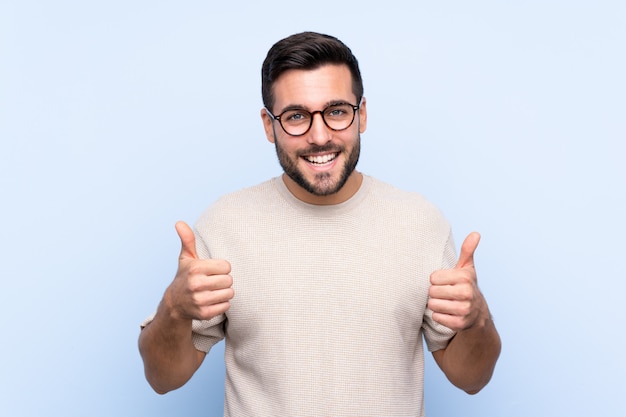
319	165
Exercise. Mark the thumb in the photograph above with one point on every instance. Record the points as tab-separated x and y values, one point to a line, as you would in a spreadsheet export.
466	258
187	240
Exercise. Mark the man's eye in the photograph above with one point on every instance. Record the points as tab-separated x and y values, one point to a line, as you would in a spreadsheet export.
337	112
296	117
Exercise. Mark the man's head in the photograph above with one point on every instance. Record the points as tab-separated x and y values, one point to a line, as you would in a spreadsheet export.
314	115
306	51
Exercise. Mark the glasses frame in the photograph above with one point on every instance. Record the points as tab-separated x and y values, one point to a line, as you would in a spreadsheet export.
313	113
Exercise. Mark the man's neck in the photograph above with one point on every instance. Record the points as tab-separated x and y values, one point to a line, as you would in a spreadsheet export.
346	192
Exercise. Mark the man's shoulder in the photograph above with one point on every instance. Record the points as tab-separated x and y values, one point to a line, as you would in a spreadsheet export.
241	201
394	195
262	190
391	200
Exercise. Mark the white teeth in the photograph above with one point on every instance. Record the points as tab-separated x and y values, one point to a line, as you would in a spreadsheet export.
321	159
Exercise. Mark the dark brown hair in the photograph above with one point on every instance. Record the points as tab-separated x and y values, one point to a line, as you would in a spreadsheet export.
306	51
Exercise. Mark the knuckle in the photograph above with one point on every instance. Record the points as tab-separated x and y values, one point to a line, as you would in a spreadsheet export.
224	295
194	284
468	277
230	293
467	293
229	280
221	266
195	268
214	310
465	310
196	298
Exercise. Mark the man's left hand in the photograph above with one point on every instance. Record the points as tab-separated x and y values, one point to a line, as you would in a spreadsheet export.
455	299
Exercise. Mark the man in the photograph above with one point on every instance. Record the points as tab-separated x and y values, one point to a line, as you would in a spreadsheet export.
322	281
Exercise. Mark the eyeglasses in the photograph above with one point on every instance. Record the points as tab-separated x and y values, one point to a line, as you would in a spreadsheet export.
297	122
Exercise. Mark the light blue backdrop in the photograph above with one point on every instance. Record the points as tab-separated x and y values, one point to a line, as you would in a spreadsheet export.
118	118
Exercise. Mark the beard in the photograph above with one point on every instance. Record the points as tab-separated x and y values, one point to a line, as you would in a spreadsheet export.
323	184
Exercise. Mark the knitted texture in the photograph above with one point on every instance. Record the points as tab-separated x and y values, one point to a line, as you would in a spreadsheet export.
330	301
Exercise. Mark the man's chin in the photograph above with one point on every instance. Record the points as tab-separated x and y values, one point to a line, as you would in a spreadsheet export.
325	185
320	185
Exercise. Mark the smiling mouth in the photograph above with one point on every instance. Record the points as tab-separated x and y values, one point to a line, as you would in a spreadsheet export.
321	159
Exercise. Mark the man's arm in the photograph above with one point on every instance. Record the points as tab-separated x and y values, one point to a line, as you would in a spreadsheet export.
201	290
169	355
470	358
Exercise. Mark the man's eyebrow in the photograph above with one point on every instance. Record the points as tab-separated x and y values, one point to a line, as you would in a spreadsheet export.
337	103
303	107
293	107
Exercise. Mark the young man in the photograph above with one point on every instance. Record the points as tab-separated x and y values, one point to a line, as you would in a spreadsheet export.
322	281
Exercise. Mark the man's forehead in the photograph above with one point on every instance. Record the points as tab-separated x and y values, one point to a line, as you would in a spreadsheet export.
316	87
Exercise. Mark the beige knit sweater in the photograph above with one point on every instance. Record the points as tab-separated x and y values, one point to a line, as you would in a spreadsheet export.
330	301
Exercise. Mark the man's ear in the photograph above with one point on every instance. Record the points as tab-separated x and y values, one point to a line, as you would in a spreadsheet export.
363	116
268	125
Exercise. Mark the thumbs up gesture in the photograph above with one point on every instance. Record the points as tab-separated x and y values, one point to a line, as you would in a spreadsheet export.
202	287
455	299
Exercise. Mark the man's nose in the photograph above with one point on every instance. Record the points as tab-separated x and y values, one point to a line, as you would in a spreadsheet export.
319	132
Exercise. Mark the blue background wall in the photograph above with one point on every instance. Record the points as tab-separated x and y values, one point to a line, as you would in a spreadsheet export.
119	118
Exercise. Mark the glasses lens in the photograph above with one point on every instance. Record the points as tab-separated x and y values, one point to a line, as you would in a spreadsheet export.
296	122
339	117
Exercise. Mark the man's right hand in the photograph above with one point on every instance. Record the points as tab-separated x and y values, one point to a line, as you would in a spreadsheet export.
202	288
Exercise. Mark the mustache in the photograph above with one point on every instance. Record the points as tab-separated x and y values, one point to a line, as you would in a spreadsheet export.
329	147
